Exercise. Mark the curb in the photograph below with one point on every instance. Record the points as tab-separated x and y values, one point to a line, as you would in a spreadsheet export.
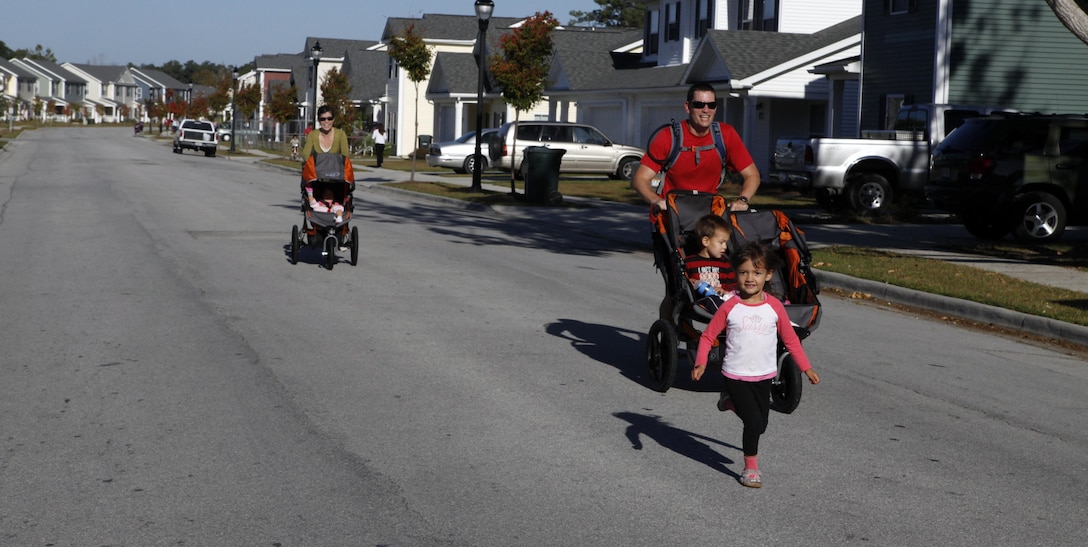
966	309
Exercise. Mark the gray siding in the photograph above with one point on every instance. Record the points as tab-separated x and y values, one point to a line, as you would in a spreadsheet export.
1016	54
899	52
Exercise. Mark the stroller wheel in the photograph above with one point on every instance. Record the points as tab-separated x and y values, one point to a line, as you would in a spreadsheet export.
330	252
661	355
294	244
786	387
354	246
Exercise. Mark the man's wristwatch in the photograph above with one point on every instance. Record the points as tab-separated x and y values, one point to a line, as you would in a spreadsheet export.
742	198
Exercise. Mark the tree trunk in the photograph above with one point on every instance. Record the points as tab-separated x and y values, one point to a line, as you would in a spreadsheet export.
1072	15
415	138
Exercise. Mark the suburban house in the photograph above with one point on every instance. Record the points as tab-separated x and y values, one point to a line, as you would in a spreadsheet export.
762	58
112	89
57	88
1007	53
443	113
18	88
155	85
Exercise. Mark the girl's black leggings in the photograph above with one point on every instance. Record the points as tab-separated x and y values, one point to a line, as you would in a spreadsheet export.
752	403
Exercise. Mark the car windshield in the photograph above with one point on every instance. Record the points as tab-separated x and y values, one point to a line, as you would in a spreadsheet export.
466	137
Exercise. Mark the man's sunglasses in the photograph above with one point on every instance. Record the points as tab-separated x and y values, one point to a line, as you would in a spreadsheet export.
700	104
326	119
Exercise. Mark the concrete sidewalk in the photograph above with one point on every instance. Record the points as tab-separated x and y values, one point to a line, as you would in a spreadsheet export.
628	226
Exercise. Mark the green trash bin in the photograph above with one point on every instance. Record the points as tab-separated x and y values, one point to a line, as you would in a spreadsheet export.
542	174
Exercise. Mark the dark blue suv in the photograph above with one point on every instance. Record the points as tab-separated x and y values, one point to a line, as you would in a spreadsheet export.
1020	173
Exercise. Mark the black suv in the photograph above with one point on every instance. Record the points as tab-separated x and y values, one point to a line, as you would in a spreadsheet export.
1024	173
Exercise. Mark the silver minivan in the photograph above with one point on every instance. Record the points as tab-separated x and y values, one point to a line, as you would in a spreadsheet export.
588	150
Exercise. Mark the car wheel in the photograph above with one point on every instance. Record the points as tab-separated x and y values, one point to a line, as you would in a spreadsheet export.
470	165
986	227
870	193
225	138
1040	217
627	168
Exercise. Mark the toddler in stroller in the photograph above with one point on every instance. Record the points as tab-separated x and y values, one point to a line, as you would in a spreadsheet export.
325	221
794	284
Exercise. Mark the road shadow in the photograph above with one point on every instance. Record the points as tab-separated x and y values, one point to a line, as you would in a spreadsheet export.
625	350
685	443
579	232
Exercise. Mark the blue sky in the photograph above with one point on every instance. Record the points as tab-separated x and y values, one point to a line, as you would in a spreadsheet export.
223	31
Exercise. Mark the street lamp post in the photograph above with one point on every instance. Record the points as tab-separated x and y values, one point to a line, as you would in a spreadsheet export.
233	93
483	13
315	54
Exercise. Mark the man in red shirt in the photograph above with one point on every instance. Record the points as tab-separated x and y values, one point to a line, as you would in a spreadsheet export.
697	170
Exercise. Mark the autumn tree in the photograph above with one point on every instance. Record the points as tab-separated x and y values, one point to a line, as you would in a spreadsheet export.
412	55
198	107
246	100
220	97
612	13
336	93
156	110
283	106
521	67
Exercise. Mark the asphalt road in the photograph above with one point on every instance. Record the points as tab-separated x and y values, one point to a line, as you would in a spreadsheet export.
168	377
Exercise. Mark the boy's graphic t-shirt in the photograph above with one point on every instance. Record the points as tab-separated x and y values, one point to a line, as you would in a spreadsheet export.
717	272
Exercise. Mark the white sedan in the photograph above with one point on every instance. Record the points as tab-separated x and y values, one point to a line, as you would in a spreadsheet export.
458	154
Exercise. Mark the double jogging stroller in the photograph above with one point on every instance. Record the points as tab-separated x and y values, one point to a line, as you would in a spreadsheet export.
329	178
794	284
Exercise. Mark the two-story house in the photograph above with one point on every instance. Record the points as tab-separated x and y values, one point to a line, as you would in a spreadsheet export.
1007	53
154	85
363	62
16	87
444	110
66	90
768	60
111	89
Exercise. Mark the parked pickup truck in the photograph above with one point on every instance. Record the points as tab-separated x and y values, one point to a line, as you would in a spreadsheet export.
196	135
866	174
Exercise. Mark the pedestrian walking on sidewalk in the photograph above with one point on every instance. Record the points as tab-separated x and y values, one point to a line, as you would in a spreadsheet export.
379	143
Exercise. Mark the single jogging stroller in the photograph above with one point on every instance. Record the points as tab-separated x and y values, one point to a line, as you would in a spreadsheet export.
794	284
327	176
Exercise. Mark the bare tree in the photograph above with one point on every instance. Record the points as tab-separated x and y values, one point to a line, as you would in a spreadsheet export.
1072	14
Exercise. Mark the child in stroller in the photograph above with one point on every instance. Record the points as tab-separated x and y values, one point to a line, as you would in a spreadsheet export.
794	283
326	221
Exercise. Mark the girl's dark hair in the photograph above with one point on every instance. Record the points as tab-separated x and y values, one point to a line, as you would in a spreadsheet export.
323	109
758	253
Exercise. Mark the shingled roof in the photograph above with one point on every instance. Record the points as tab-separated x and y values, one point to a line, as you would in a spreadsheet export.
361	68
443	27
749	52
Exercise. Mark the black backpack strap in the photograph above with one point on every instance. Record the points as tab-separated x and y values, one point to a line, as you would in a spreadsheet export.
677	140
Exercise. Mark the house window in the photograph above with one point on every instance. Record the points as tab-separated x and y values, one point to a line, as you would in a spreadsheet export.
892	103
758	15
899	7
672	18
704	17
652	31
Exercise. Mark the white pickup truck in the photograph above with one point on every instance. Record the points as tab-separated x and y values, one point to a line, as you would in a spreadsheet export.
196	135
866	174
